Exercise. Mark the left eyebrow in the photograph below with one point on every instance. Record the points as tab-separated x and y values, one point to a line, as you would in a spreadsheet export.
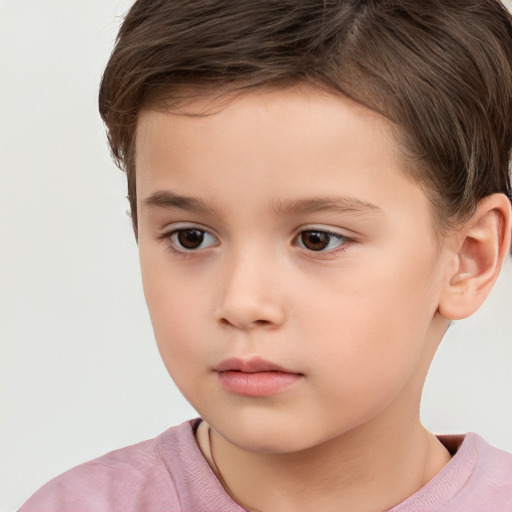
331	204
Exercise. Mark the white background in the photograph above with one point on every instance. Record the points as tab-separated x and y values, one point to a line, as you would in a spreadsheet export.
80	374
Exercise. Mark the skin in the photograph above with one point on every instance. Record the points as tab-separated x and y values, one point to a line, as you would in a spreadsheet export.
360	320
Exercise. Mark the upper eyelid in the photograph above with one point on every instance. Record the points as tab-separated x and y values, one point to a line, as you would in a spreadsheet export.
326	229
179	226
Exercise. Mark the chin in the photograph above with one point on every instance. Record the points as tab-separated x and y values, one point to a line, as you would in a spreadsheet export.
266	442
267	435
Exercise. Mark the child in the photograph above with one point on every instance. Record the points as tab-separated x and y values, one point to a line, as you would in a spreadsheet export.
317	189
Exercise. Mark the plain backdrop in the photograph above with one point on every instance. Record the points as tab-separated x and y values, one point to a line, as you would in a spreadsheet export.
80	374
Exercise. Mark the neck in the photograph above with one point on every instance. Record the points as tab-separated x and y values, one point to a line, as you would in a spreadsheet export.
356	471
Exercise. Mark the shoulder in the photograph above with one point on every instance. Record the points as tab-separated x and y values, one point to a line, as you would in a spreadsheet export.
493	467
478	478
138	477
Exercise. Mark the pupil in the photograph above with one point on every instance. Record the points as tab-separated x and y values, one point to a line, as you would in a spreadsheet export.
314	240
190	238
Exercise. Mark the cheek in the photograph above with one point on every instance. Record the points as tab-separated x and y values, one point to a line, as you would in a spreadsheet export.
176	304
371	329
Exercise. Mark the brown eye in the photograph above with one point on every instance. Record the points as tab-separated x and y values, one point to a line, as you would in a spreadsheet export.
190	238
320	240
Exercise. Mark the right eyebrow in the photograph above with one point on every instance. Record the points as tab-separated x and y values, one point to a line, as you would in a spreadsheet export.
168	200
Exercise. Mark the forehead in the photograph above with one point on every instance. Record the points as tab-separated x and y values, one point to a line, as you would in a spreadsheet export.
302	109
271	145
275	122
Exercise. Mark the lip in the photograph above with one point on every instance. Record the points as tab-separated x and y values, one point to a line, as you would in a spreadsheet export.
255	377
251	365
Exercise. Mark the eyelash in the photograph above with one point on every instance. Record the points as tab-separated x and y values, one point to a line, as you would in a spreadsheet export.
344	241
173	246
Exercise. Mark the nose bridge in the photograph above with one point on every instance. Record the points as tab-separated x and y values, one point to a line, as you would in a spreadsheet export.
250	294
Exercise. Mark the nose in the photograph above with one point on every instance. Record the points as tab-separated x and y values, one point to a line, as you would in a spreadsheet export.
251	296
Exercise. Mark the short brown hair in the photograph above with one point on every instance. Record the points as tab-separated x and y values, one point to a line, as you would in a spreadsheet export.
440	70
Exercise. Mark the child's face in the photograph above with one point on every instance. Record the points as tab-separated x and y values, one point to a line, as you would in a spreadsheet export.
254	272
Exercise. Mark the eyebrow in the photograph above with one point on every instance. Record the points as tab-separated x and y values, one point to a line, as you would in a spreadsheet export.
283	208
333	204
167	199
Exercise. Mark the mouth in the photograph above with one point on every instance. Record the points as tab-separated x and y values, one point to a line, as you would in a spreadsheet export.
255	377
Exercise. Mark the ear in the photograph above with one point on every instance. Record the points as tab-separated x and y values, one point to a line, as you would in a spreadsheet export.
480	247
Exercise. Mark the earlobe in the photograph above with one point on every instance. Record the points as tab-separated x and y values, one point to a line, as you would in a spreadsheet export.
483	243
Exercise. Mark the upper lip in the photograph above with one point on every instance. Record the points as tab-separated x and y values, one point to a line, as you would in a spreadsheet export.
250	365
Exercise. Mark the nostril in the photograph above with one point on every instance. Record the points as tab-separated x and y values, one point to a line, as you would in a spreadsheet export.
261	322
249	312
255	323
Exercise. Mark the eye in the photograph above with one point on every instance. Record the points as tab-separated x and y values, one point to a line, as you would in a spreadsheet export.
317	240
190	239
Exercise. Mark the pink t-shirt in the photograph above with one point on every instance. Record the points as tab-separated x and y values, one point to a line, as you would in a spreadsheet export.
170	474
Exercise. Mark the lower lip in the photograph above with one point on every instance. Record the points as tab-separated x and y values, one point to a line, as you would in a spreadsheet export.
258	384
